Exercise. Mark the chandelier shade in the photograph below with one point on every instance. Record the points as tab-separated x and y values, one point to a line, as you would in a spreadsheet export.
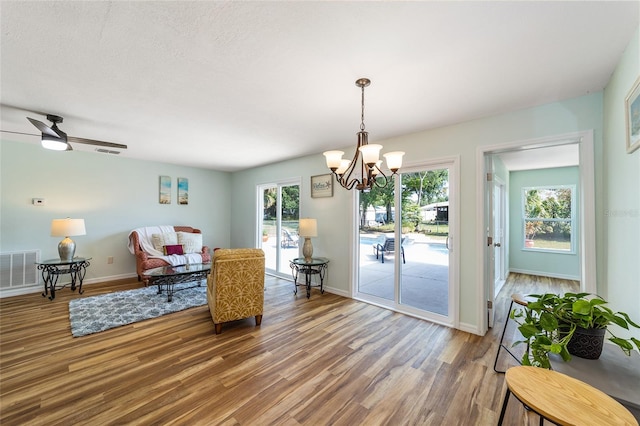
363	171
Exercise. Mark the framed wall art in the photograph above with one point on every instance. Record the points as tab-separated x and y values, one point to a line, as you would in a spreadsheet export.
183	191
632	113
165	190
322	186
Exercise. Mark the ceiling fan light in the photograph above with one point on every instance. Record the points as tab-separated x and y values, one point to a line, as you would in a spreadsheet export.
53	143
394	160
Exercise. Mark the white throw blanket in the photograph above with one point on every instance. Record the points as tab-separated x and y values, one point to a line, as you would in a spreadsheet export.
144	235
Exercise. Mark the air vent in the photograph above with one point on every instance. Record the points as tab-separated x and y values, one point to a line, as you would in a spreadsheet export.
107	151
18	269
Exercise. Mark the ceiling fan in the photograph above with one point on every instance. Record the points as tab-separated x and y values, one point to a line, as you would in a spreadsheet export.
56	139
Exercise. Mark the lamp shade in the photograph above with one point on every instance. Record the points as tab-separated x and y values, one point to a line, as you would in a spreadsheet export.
67	227
308	228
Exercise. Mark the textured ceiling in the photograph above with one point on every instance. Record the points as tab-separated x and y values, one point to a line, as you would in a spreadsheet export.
232	85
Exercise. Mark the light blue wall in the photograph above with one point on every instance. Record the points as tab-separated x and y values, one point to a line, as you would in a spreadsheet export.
114	195
117	194
334	214
559	265
621	199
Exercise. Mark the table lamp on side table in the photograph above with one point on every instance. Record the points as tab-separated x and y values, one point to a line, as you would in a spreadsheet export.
308	229
67	228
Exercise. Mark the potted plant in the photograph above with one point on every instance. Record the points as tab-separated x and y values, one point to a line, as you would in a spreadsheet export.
566	324
265	235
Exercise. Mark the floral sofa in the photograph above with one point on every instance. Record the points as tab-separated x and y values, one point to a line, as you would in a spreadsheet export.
156	246
235	286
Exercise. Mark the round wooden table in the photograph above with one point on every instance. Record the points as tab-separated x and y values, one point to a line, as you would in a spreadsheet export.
563	399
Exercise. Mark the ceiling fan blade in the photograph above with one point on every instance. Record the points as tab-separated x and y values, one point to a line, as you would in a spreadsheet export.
19	133
95	142
44	128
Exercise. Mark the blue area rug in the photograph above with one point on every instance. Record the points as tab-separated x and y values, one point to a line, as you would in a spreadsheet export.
98	313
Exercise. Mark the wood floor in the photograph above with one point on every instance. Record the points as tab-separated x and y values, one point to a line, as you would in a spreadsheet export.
327	360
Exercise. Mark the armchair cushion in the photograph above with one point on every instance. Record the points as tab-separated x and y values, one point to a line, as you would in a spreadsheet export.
235	285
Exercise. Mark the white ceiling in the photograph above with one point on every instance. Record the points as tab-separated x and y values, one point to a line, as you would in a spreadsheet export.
542	158
232	85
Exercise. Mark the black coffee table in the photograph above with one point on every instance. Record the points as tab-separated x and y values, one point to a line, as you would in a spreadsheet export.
166	277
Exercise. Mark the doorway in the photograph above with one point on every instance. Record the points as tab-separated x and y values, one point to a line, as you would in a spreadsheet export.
583	142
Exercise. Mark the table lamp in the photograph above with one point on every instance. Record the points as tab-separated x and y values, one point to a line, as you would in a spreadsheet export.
308	229
67	228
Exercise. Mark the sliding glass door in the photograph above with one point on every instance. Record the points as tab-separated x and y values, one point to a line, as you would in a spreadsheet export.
278	225
405	244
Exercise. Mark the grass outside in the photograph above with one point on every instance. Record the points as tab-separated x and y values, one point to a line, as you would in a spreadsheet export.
551	242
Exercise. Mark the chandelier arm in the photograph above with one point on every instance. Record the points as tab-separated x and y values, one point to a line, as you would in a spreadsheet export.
347	181
349	186
385	179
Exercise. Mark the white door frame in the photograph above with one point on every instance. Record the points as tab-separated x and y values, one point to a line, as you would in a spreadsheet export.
588	277
503	240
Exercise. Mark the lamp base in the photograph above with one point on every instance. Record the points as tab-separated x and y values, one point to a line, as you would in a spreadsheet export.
307	249
66	249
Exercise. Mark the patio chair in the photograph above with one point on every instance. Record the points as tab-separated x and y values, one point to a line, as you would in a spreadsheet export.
389	246
288	240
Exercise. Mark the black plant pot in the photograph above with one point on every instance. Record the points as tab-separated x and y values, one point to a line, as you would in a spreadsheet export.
587	342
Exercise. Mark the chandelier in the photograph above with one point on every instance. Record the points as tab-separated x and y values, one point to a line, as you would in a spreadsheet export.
363	171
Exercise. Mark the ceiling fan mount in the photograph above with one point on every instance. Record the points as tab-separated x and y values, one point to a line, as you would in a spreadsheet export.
55	119
54	138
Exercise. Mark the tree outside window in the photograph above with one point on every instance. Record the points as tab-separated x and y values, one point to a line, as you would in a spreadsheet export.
549	218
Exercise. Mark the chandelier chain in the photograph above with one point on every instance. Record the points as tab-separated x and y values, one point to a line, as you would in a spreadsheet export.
362	113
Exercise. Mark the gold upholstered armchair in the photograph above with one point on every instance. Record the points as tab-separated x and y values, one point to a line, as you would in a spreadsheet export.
235	286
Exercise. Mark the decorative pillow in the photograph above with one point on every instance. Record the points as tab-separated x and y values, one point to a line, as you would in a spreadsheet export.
173	249
165	239
192	242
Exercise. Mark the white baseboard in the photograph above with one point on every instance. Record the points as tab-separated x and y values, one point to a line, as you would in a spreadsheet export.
337	291
39	288
545	274
470	328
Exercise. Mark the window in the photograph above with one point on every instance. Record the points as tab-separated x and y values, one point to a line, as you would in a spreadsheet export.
549	218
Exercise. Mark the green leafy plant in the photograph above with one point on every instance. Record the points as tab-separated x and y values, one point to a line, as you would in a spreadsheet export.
549	321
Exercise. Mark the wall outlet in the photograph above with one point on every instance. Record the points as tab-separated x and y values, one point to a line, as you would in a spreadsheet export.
110	260
38	201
